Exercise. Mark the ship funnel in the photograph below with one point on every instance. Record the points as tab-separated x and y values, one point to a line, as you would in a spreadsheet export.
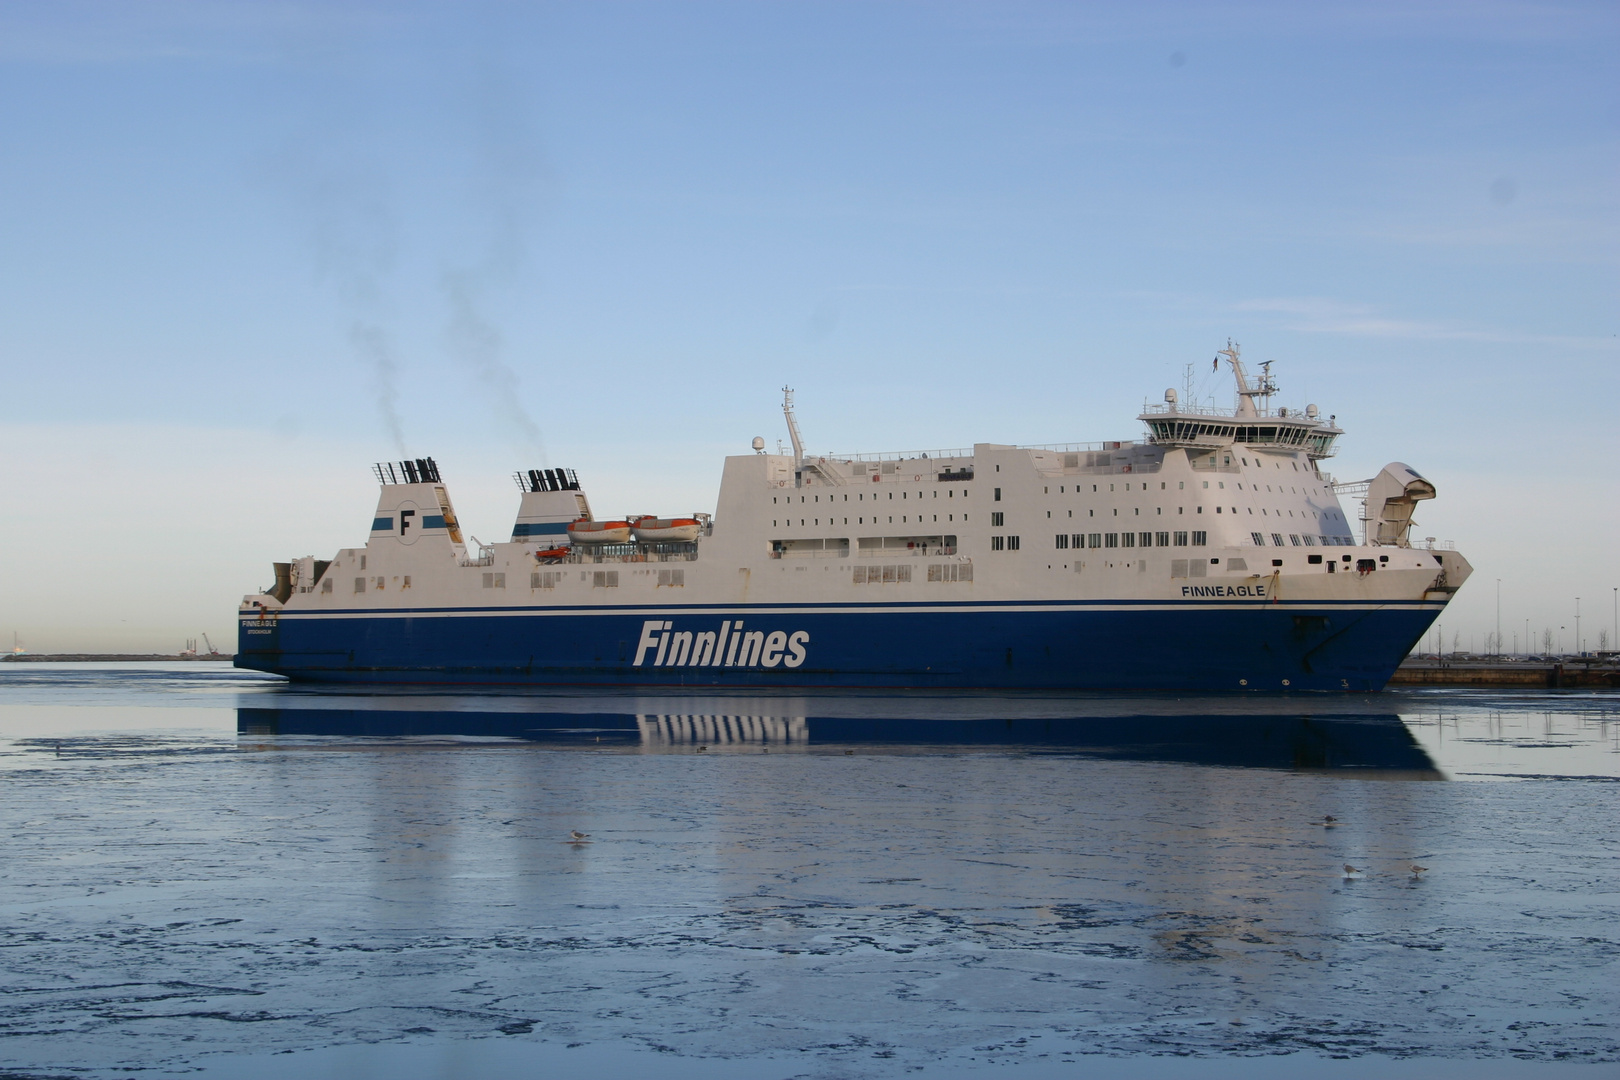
413	503
551	499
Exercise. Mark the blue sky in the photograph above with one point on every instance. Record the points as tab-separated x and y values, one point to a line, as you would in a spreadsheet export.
247	249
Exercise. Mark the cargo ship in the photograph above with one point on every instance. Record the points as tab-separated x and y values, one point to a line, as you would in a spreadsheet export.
1211	553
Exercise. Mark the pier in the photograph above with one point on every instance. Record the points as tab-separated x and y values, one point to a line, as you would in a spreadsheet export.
1556	674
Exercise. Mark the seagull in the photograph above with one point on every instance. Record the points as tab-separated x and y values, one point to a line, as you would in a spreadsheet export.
1330	822
1350	872
1417	871
577	837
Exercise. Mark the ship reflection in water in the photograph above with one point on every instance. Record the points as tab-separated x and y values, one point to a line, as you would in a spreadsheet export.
1373	745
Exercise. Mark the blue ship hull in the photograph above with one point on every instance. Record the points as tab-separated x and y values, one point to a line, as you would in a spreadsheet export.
1125	645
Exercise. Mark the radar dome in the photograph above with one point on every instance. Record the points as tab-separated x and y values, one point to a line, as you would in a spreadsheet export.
1312	411
759	443
1170	396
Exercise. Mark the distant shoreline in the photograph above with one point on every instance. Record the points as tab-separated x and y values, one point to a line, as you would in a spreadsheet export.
70	658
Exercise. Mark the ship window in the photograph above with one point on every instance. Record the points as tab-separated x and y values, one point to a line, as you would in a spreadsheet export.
1310	541
1259	540
407	582
605	579
1276	538
1163	539
362	562
1206	483
1062	540
997	519
1012	544
998	490
1181	539
1199	539
1314	560
997	543
1145	540
1181	485
1127	540
326	586
1111	540
359	584
673	578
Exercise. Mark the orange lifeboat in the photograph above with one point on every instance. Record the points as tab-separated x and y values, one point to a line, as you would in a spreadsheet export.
599	532
650	530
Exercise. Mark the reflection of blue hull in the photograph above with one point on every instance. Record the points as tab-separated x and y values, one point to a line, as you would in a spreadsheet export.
1367	743
1126	645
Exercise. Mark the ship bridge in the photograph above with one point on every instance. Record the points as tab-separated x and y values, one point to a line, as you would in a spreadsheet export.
1253	422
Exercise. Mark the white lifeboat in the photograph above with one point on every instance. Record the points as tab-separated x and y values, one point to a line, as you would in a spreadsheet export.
599	532
666	530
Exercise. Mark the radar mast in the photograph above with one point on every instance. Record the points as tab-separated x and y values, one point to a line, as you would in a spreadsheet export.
1262	388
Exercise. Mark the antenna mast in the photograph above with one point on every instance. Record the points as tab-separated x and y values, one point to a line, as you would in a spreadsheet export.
793	425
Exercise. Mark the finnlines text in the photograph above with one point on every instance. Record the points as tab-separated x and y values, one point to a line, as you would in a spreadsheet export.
730	646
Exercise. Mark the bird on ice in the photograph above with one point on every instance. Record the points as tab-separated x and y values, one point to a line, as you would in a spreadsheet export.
1417	871
1350	872
1329	822
577	837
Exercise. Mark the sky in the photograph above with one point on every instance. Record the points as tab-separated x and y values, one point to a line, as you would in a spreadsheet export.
247	249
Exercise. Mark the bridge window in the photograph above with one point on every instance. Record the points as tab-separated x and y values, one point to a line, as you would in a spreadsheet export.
1199	539
1276	538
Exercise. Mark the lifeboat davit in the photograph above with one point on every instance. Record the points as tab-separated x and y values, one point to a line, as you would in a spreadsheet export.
666	530
599	532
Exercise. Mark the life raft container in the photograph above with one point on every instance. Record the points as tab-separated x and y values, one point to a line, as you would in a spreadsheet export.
599	532
666	530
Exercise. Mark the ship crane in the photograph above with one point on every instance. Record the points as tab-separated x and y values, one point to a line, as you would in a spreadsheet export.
793	425
819	469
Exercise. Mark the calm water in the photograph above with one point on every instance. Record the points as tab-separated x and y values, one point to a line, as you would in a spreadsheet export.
208	873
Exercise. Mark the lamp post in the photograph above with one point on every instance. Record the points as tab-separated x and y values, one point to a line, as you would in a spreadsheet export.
1498	650
1577	626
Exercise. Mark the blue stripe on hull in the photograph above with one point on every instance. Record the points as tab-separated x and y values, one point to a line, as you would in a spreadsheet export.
1253	648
